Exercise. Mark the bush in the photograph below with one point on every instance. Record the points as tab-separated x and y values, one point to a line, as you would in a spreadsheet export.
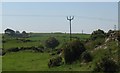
3	41
86	57
56	61
2	52
72	51
51	42
109	33
13	49
118	36
98	34
98	42
106	65
40	48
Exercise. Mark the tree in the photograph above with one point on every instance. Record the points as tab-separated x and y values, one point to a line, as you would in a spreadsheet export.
51	42
10	32
72	51
24	34
17	32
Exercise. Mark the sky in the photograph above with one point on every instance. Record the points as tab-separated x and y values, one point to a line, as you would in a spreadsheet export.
51	16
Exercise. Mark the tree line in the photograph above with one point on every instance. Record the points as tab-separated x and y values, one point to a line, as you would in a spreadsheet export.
14	33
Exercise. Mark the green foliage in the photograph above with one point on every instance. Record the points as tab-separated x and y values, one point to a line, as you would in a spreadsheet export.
41	46
86	56
118	36
107	65
55	61
97	38
72	51
98	34
51	42
109	32
24	34
16	49
98	42
35	61
16	34
2	52
10	32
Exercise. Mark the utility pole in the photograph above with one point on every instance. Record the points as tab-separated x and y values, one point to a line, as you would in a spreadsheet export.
70	18
82	31
114	27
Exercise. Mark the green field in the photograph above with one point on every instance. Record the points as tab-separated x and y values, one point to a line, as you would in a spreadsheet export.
32	61
39	38
25	61
37	61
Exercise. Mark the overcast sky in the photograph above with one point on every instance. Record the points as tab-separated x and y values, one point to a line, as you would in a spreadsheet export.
51	16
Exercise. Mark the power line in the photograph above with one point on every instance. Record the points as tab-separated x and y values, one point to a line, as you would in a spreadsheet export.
81	17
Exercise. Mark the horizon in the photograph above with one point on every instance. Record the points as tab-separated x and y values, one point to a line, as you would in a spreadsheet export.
57	32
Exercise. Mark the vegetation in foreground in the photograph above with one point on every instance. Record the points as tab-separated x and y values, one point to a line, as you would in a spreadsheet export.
84	53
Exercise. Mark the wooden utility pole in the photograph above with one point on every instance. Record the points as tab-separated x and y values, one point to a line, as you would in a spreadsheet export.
82	31
114	27
70	18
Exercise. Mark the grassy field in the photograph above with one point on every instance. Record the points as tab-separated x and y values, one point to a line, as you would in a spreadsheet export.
37	61
39	38
32	61
25	61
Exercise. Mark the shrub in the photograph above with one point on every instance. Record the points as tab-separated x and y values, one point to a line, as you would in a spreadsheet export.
3	41
13	49
98	42
98	34
72	51
40	48
2	52
106	65
109	33
118	36
55	61
86	57
51	42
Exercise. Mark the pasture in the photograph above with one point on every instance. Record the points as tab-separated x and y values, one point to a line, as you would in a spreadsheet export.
32	61
29	60
38	39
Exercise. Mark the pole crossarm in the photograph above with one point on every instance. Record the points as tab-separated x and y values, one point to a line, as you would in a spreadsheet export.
70	18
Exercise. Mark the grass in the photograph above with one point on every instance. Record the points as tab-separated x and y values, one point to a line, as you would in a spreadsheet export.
32	61
38	39
25	61
0	63
73	67
14	43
